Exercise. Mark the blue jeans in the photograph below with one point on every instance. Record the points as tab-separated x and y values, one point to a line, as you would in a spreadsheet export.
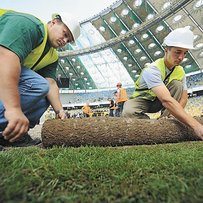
33	89
120	108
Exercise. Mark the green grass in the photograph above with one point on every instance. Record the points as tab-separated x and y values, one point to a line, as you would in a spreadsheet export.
157	173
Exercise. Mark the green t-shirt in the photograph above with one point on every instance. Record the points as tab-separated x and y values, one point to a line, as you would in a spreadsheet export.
21	33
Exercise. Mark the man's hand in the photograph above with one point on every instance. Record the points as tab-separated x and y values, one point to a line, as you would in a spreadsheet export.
18	124
62	115
199	131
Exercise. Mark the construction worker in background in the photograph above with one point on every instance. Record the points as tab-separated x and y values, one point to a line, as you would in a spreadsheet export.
162	84
86	110
28	71
121	98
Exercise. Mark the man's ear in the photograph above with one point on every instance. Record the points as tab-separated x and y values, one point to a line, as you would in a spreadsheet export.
54	21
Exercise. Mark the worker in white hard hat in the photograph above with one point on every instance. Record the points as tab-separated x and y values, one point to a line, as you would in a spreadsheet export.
71	23
161	85
28	71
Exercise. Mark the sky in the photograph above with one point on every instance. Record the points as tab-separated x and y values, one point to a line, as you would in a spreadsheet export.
81	9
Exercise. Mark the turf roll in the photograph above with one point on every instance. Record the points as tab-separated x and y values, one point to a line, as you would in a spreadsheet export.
105	131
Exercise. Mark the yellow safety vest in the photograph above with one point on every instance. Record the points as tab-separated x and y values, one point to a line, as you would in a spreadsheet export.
50	57
86	109
177	74
2	11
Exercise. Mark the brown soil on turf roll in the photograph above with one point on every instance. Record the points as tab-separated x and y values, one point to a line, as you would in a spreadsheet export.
105	131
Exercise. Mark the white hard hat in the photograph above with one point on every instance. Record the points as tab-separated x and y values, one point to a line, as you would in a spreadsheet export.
71	22
119	84
180	37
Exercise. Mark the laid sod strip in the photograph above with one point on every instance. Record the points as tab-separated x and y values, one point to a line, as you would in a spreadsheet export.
152	173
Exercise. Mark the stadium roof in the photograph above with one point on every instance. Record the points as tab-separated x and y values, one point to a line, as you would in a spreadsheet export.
117	42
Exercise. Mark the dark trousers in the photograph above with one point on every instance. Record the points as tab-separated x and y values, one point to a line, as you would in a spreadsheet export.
120	107
111	113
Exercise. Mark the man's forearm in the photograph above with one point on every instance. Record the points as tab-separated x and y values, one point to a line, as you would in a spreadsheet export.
9	78
10	97
178	112
9	93
184	99
53	95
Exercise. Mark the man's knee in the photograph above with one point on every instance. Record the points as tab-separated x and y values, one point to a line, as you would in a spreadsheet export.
41	87
44	86
175	84
32	84
175	88
127	109
134	110
127	113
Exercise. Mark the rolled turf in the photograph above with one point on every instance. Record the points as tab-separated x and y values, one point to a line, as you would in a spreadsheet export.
105	131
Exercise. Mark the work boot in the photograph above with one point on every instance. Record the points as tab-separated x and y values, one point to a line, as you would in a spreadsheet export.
24	141
1	148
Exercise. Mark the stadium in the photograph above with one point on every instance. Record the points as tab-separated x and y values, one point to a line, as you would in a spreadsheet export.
117	43
98	155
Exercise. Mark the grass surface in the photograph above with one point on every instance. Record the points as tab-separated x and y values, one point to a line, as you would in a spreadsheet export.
157	173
